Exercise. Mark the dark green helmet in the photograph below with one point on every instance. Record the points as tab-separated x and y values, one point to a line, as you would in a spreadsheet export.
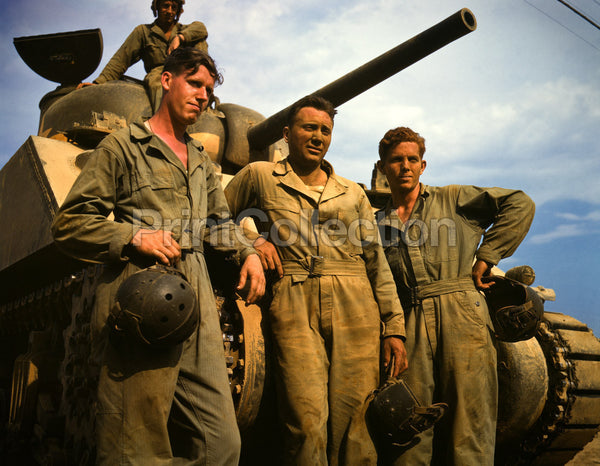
516	310
156	306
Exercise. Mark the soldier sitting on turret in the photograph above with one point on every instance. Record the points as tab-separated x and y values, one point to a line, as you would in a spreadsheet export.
152	43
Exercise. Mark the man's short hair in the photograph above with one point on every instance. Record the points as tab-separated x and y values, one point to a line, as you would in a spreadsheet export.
397	135
189	60
313	101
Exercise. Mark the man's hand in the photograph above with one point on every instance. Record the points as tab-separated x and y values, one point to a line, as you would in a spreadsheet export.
253	273
481	269
175	43
268	255
394	347
158	244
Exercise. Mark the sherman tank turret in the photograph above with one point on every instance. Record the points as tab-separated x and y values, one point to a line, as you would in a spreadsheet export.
549	404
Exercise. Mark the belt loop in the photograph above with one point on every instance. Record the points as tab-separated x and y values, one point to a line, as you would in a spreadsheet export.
414	296
315	266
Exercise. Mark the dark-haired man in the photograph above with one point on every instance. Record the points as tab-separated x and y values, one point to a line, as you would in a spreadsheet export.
151	43
433	242
159	405
334	291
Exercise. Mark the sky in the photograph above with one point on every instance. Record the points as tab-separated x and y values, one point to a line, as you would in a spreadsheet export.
514	104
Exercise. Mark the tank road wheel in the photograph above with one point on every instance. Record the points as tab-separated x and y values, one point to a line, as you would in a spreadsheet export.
522	388
571	415
249	374
244	345
246	350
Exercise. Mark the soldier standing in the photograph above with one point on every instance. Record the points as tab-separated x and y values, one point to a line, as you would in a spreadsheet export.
335	290
432	237
151	43
159	404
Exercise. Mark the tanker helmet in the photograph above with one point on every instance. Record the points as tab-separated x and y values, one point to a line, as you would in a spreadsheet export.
396	414
156	306
516	310
156	3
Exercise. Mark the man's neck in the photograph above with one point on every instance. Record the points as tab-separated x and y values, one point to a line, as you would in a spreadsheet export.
310	176
166	28
404	202
172	133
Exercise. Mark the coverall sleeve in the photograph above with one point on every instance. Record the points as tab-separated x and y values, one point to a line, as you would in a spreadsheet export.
81	227
504	214
128	54
193	33
379	273
222	233
240	194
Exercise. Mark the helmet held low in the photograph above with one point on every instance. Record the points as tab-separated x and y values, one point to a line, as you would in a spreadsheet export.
156	306
397	415
516	309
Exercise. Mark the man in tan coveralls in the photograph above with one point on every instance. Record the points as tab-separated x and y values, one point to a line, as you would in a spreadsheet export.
334	292
431	237
151	43
159	405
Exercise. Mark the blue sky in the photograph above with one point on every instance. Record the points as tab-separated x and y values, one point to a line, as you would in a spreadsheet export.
514	104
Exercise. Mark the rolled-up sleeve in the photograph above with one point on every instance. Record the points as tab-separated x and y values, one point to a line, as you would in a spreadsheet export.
504	214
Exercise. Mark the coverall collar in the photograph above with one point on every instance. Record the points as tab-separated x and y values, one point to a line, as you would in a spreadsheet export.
334	187
141	133
156	29
390	215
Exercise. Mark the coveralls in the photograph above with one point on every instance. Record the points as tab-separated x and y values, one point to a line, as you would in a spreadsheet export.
149	43
450	344
327	309
154	404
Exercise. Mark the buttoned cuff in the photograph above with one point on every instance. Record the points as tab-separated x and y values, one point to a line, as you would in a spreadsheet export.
488	255
394	327
122	237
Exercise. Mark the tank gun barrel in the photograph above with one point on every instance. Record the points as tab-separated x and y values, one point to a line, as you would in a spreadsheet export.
372	73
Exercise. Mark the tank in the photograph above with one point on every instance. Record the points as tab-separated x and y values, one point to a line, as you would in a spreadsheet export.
549	385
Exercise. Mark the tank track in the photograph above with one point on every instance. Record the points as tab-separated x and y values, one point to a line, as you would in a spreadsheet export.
571	416
53	422
79	374
50	323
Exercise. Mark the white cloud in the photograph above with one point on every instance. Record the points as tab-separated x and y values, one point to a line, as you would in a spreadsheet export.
593	216
562	232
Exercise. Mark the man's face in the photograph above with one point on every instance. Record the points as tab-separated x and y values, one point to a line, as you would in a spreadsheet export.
187	94
167	10
309	137
403	167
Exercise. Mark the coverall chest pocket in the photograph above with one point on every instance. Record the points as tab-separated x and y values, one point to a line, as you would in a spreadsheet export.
153	186
439	239
344	229
154	55
281	219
